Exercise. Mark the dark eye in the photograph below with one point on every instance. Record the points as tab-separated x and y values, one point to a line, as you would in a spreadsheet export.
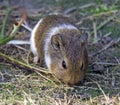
64	64
82	67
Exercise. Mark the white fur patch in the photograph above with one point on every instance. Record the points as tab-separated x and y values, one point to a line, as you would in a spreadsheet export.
32	39
52	32
47	61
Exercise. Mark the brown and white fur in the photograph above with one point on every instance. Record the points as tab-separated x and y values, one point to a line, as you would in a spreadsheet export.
61	47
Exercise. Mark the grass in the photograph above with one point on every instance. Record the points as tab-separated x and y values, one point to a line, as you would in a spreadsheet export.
20	86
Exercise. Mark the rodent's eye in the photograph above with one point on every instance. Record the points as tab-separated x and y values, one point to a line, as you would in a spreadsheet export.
64	65
82	67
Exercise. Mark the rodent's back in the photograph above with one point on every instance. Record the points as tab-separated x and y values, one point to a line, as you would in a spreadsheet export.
43	30
53	20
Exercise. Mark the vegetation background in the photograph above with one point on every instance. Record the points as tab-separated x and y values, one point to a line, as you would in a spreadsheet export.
25	83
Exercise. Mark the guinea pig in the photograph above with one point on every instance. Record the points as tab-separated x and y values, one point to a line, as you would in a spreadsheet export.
61	46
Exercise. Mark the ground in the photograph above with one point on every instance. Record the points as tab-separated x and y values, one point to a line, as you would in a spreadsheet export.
22	83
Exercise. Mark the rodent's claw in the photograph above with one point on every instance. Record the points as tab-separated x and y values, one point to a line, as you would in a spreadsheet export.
36	59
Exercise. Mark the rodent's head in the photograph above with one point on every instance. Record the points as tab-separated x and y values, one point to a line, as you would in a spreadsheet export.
69	57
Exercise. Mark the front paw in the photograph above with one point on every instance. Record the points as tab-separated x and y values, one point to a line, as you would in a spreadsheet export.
33	59
36	59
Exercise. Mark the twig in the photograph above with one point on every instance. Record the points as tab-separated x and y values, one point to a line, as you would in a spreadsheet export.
24	15
45	77
104	48
105	63
96	15
87	5
108	34
72	9
24	64
105	13
111	43
102	14
22	48
42	70
117	60
18	42
37	70
103	24
69	10
95	32
27	27
106	98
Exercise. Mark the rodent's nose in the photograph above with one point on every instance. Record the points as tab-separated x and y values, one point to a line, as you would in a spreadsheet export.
70	84
75	83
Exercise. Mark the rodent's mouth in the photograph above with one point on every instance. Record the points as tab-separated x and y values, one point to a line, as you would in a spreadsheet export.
70	83
68	78
73	84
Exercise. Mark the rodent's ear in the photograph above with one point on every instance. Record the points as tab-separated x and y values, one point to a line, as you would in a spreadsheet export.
84	37
56	41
